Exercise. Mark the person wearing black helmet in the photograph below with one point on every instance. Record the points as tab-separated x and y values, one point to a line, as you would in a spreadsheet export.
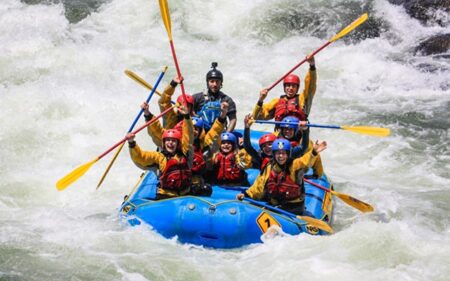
207	104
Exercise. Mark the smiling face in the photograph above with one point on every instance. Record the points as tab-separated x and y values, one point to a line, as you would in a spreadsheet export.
171	145
288	133
267	148
290	89
226	147
281	156
197	132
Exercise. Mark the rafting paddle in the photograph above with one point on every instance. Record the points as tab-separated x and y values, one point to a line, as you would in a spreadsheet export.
164	7
142	82
309	220
352	201
365	130
71	177
132	127
342	33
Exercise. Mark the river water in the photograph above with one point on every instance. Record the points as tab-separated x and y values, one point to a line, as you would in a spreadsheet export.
65	100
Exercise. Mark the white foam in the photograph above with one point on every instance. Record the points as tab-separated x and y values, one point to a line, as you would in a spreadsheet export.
65	100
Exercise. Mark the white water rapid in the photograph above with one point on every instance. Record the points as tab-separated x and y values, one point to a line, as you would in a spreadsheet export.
64	99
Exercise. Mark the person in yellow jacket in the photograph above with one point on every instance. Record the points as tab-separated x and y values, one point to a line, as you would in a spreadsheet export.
281	181
291	103
297	133
174	162
172	118
202	141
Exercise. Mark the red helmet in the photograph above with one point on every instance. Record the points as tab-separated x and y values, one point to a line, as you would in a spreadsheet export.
266	138
189	99
172	133
292	79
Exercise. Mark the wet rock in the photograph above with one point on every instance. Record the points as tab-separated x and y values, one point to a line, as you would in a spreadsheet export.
75	10
427	11
437	44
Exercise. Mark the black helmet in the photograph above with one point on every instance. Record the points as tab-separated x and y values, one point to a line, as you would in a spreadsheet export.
214	73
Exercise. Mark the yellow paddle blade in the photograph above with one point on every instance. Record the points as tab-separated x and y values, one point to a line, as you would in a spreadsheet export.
164	7
141	81
110	165
350	27
373	131
74	175
317	223
352	201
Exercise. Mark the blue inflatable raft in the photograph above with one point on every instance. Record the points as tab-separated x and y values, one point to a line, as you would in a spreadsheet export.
221	221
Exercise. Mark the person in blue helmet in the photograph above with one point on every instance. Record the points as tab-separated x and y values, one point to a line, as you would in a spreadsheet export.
294	131
297	133
281	182
207	104
262	157
227	166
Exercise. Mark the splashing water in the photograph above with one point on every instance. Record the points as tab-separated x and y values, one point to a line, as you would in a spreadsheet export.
65	100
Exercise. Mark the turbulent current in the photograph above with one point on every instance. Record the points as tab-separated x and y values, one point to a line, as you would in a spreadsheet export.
64	100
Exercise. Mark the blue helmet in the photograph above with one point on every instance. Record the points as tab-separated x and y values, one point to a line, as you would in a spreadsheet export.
281	144
228	137
290	119
197	122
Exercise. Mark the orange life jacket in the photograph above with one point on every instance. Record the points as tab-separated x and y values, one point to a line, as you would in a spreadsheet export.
281	187
264	162
227	168
177	174
289	107
199	163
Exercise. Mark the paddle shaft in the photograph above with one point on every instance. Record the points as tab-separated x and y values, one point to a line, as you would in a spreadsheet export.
308	220
318	185
148	99
166	19
349	200
141	81
343	32
277	210
288	123
131	127
298	65
134	132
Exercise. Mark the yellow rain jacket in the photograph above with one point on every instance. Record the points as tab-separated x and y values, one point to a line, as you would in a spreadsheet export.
267	110
316	163
299	165
164	102
155	130
145	159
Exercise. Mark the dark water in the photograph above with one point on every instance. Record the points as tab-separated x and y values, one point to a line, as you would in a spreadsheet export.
74	10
